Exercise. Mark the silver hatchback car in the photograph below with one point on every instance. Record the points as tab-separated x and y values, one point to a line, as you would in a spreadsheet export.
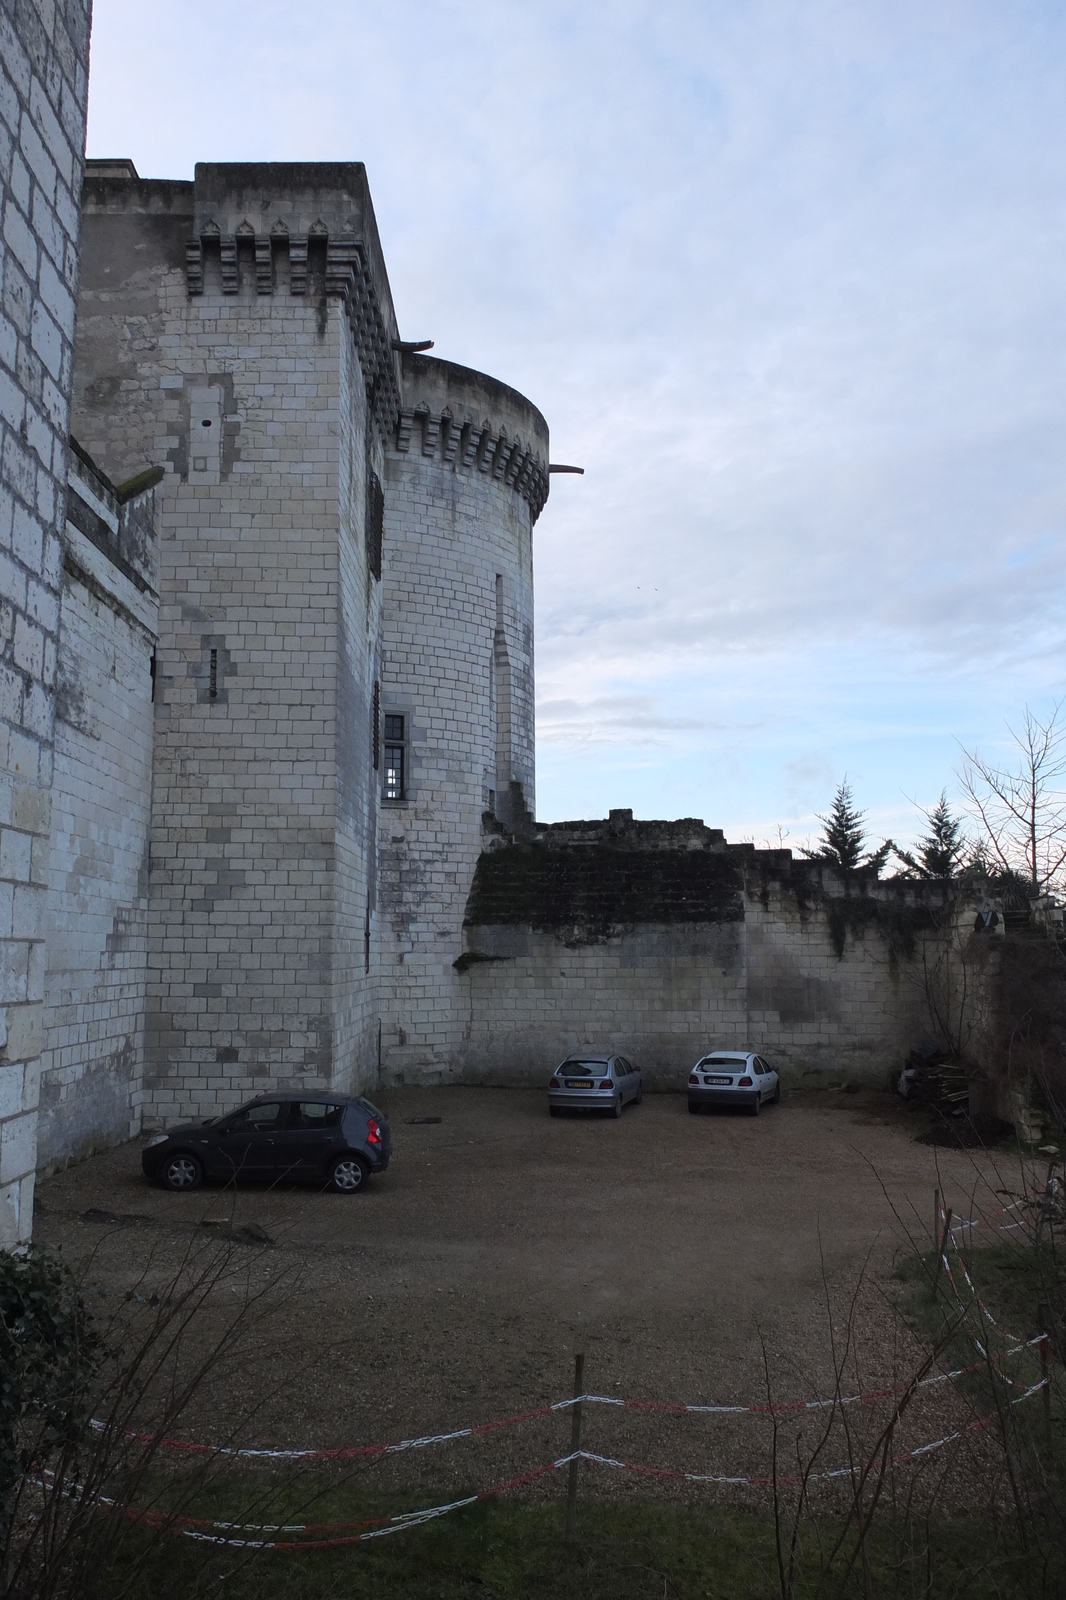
732	1078
594	1083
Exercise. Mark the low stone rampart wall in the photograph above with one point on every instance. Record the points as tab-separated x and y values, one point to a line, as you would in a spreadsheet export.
662	941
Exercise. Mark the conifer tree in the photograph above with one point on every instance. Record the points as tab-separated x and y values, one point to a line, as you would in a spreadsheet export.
944	851
844	838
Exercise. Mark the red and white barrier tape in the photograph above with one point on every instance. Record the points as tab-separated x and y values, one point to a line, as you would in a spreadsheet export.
993	1322
474	1430
837	1472
341	1452
222	1532
195	1528
996	1227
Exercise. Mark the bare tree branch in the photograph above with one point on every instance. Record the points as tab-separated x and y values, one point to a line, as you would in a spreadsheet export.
1022	807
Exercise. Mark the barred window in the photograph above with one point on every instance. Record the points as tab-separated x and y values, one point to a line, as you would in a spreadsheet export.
395	756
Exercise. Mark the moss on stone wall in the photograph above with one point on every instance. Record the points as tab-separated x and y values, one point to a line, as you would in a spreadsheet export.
600	877
897	924
600	886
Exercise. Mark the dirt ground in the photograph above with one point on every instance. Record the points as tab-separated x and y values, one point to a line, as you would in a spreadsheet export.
671	1249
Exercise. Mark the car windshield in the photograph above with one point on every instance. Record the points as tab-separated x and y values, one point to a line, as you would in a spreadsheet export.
583	1067
729	1063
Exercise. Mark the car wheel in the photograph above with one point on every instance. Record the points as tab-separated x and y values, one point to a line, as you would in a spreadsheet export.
554	1111
182	1172
777	1094
347	1175
639	1096
693	1110
756	1105
616	1109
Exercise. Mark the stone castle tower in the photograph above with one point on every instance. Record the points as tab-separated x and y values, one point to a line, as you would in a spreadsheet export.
343	672
287	833
266	722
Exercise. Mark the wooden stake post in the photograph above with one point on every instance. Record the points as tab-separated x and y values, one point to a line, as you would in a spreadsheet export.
1045	1393
575	1444
944	1237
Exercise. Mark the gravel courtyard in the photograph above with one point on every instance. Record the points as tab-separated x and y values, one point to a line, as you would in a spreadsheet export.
672	1249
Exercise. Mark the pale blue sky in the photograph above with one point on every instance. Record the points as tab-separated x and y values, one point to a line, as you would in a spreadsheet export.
787	279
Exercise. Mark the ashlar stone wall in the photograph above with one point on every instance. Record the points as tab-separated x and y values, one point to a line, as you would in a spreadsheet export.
92	1068
663	941
464	482
261	379
44	58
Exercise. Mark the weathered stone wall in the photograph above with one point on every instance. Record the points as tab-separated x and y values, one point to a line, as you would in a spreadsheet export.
355	998
464	482
92	1068
345	535
44	58
663	941
262	364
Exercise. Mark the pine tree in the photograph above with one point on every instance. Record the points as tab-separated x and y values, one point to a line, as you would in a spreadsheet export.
844	838
944	851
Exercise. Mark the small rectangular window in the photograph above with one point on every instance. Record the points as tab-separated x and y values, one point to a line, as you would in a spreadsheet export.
375	718
213	674
394	771
395	731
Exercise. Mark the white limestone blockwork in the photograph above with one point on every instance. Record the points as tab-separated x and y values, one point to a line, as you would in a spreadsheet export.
464	484
44	59
294	837
92	1069
344	581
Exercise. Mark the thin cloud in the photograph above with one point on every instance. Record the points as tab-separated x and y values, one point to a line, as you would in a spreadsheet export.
786	281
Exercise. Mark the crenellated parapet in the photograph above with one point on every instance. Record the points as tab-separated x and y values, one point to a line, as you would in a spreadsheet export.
475	447
443	419
304	230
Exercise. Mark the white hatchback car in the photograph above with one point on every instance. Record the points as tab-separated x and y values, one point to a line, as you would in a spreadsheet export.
732	1078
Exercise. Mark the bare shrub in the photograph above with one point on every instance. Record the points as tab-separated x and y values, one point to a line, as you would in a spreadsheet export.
84	1431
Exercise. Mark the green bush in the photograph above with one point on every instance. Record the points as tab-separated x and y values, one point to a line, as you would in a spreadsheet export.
49	1350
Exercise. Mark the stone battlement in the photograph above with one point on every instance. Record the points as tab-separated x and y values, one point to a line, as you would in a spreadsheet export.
465	420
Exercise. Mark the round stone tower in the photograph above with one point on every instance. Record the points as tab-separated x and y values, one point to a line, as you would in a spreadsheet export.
465	480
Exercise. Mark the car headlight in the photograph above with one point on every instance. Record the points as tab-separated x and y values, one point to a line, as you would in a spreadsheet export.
157	1138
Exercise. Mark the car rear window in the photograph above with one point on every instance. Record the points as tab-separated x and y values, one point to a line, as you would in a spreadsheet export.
723	1063
368	1105
583	1069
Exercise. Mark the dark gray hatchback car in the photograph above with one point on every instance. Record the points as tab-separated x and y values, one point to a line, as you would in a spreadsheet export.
336	1140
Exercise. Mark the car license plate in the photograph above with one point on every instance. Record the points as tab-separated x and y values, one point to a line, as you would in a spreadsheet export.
717	1080
579	1083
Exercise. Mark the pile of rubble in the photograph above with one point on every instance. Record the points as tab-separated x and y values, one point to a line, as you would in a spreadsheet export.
940	1083
930	1077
